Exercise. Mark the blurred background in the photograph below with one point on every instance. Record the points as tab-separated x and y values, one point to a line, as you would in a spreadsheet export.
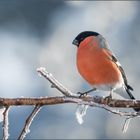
39	33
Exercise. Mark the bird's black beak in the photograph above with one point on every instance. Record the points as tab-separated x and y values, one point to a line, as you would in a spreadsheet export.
75	42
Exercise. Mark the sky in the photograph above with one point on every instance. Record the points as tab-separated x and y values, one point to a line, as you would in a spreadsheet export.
39	33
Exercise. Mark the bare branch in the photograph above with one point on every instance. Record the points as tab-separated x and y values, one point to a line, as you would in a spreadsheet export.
96	101
71	99
28	122
55	84
5	123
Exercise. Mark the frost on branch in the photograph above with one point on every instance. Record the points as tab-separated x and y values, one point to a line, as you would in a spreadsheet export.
81	112
28	122
126	124
1	113
55	84
5	123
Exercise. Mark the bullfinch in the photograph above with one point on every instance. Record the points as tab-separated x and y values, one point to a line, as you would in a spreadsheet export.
98	65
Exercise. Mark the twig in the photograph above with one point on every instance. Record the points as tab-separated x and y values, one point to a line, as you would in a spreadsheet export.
5	123
28	122
55	84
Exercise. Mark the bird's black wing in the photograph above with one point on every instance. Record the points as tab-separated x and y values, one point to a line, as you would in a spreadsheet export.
104	45
127	87
114	59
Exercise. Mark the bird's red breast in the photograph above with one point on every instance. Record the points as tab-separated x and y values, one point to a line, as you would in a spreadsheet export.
94	64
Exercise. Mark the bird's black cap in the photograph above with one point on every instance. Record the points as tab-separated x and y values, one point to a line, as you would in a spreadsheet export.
80	37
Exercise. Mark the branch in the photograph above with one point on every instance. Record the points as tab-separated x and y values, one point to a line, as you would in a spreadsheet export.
68	97
54	82
71	99
28	122
5	123
96	101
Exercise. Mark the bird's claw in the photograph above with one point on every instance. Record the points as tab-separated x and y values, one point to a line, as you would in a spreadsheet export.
82	94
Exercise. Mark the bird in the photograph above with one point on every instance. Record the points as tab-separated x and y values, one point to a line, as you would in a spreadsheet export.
98	65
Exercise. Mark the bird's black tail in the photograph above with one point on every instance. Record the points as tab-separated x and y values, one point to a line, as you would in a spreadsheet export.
128	88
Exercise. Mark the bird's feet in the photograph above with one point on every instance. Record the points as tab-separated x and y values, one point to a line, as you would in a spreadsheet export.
82	94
